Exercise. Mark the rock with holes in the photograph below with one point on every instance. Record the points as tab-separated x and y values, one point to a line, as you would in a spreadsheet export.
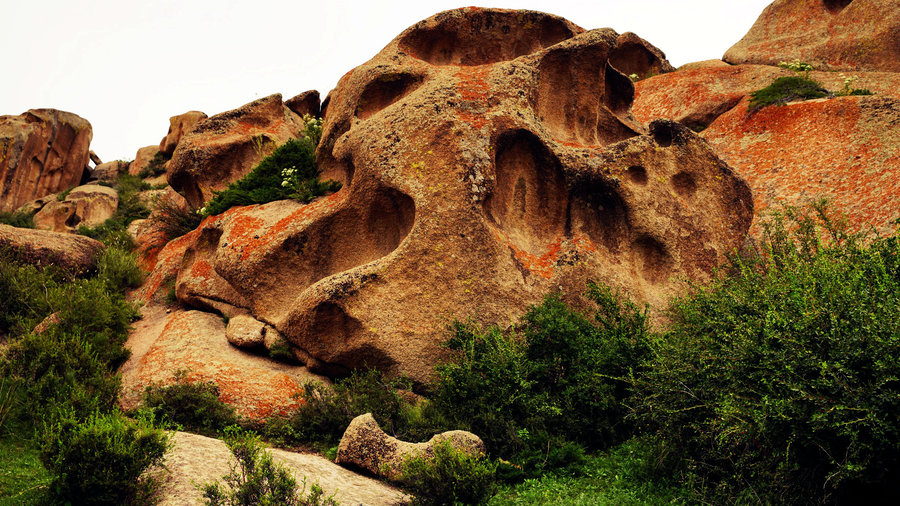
84	206
365	445
488	157
74	254
42	151
223	148
178	126
829	34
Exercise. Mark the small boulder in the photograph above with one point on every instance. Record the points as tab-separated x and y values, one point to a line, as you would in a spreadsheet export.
109	172
86	205
245	332
75	254
364	445
178	126
144	161
305	103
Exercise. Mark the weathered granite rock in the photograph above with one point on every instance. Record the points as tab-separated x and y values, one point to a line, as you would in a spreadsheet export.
245	332
87	205
178	126
488	157
829	34
142	160
224	147
109	172
365	446
73	253
42	151
305	103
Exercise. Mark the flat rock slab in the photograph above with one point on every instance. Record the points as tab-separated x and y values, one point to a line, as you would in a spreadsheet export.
198	460
162	344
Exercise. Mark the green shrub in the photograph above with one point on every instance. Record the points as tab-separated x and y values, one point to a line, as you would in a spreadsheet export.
256	479
537	393
172	220
156	167
113	231
192	405
99	460
290	172
779	380
119	269
786	89
17	219
449	477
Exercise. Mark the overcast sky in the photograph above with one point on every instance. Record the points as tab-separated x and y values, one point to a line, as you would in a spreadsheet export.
127	65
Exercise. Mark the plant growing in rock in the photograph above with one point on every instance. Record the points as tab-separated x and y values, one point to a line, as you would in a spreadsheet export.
449	477
17	219
848	89
786	89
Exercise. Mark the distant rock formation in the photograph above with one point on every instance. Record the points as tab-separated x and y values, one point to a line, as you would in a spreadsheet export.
87	205
488	157
223	148
829	34
42	151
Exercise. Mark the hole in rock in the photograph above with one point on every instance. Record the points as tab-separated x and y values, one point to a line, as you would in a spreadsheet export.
655	261
579	95
599	212
666	132
637	175
530	198
477	37
383	91
684	184
835	6
633	58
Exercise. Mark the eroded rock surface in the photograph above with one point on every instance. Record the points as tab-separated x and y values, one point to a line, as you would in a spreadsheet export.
829	34
87	205
42	151
178	126
488	157
76	254
221	149
142	160
365	446
305	103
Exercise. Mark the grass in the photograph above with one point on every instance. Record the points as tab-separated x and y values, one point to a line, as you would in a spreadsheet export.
17	219
786	89
23	479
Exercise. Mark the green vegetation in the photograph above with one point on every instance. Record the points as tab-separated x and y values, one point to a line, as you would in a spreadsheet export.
786	89
449	477
191	405
17	219
848	89
113	232
173	220
258	480
156	167
23	479
290	172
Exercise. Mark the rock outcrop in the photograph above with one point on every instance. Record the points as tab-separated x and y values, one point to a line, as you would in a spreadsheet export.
178	126
75	254
42	151
221	149
488	157
142	160
305	103
829	34
365	446
87	205
109	172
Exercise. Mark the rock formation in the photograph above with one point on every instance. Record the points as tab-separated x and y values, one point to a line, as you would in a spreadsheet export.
42	151
142	159
75	254
87	205
829	34
305	103
224	147
488	157
109	172
365	446
178	126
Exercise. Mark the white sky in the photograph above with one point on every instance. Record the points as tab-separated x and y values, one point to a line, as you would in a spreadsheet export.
127	65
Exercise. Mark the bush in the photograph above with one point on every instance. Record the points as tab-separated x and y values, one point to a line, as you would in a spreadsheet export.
172	220
256	479
113	232
537	393
17	219
192	405
100	460
119	269
290	172
449	477
156	167
786	89
778	381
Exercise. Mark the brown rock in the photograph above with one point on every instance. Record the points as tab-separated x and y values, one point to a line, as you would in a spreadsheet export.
94	158
178	126
53	319
845	148
365	446
87	205
109	172
42	151
488	157
245	332
829	34
634	56
194	341
75	254
143	160
221	149
304	103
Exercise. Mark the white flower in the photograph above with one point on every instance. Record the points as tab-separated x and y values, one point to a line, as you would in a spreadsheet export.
285	183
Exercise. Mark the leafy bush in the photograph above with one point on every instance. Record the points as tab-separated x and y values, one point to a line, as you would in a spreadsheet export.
156	167
172	220
100	460
786	89
17	219
538	392
256	479
449	477
290	172
778	381
119	269
192	405
113	232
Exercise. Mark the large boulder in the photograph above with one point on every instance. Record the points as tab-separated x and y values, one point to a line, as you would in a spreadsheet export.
829	34
488	157
87	205
144	160
845	148
365	445
223	148
305	103
42	151
75	254
178	126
